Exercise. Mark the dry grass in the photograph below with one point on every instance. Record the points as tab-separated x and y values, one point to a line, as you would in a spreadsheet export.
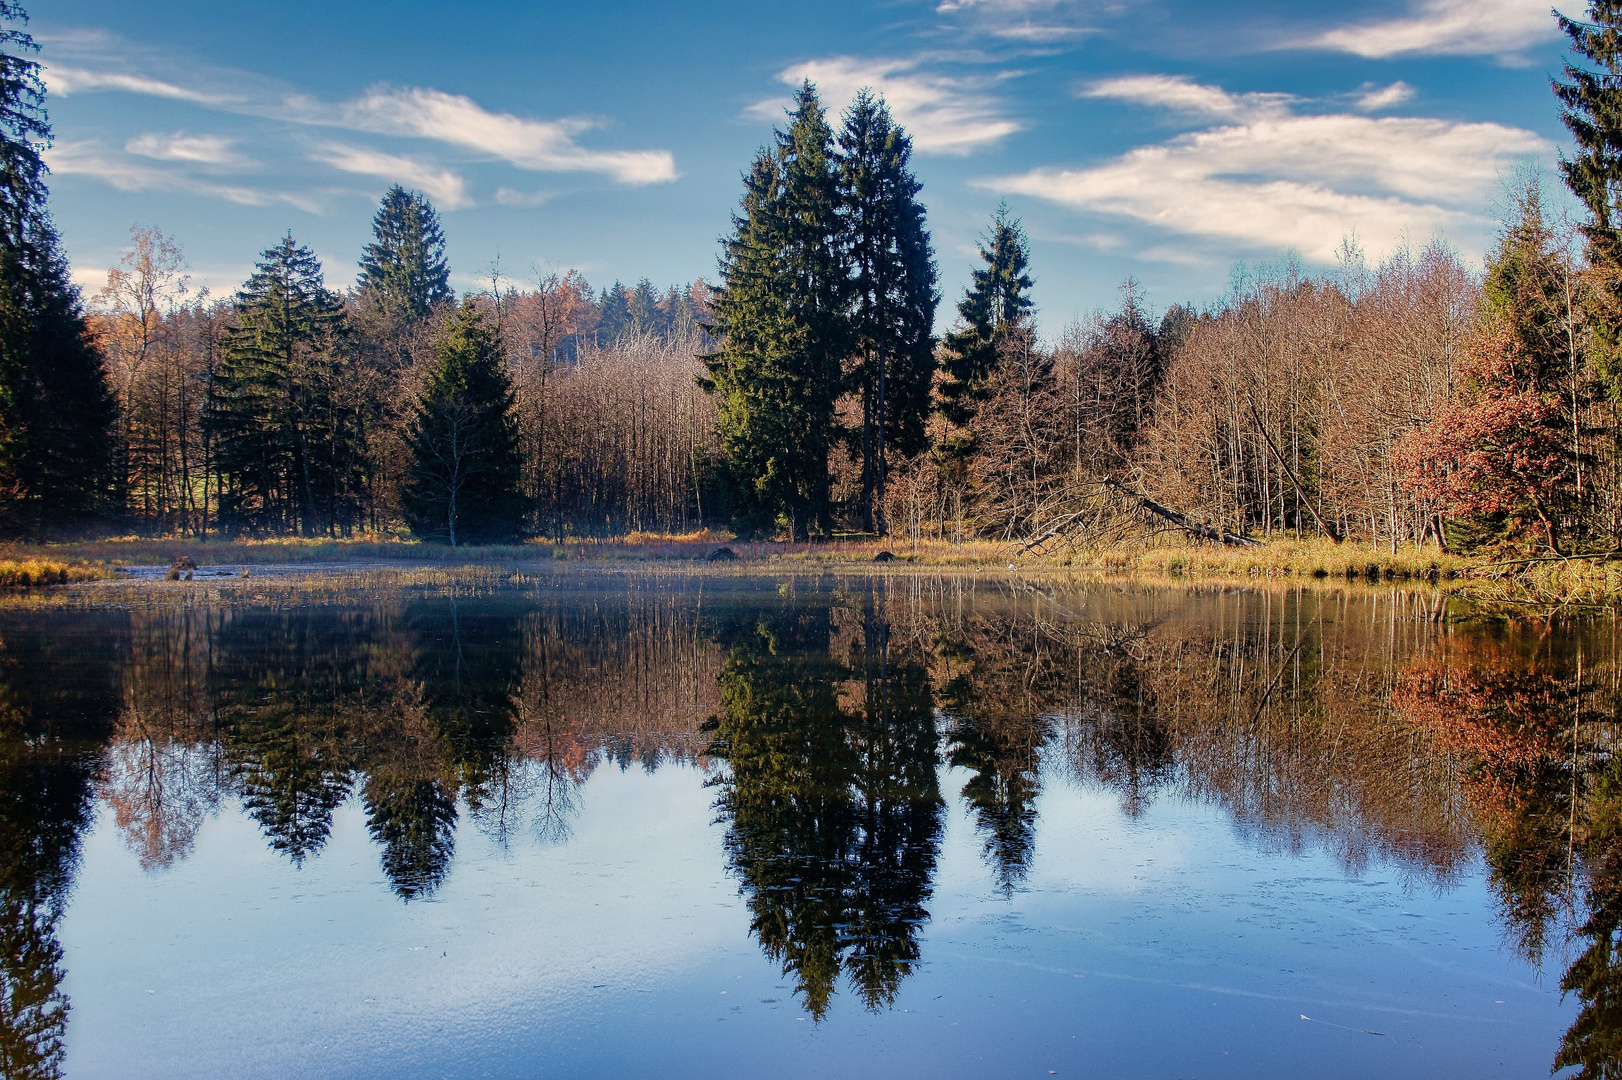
1546	584
36	573
1283	558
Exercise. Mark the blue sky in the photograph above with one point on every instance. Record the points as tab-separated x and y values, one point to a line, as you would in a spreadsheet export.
1161	139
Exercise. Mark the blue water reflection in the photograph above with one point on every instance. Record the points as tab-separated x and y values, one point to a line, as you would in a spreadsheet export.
887	828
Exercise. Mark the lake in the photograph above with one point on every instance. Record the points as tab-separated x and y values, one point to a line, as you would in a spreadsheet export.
638	824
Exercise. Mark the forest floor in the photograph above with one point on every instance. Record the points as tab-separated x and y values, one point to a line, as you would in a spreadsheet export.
1536	583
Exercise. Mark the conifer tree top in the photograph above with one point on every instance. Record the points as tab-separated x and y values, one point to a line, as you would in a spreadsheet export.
404	268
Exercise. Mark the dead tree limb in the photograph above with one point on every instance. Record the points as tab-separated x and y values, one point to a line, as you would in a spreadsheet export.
1182	521
1334	533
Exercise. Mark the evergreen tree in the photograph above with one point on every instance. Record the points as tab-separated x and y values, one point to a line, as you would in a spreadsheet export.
463	481
1591	108
403	270
1502	458
779	315
613	313
283	411
57	411
642	309
892	291
996	304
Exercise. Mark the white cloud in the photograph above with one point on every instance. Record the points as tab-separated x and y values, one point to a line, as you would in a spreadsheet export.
507	196
947	6
1039	33
1448	27
201	149
1374	98
1180	94
71	80
1298	181
412	112
88	158
442	185
943	114
541	145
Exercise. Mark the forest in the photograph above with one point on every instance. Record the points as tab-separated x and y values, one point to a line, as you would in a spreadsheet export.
802	391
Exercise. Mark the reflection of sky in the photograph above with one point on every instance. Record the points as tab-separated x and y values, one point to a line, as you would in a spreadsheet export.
1164	945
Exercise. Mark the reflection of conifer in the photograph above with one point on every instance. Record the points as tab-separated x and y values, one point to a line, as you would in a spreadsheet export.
414	819
834	817
292	778
994	731
46	801
1132	747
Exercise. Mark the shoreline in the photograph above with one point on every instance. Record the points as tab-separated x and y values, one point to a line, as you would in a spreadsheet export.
1533	588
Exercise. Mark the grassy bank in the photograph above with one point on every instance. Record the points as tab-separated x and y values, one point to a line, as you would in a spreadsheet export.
1541	583
1286	558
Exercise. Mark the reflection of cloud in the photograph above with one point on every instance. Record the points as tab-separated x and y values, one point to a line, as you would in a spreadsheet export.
1178	93
442	185
202	149
943	114
86	158
1448	27
1274	182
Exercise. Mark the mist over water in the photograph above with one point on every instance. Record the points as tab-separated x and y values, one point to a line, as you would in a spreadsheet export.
820	826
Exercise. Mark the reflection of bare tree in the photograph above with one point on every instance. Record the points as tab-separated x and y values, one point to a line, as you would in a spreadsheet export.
162	773
1531	720
161	791
1270	703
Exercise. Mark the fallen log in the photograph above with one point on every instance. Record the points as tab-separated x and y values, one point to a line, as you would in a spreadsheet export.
1182	521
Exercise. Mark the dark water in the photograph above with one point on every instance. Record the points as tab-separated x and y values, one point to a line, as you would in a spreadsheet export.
624	826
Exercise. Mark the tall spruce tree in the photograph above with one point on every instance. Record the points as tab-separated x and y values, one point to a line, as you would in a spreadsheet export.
462	486
613	313
404	270
892	293
283	412
642	309
1591	108
780	319
996	303
57	411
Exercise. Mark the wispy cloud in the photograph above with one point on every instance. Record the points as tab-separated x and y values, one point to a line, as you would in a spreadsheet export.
540	145
66	80
1181	94
444	186
410	112
1374	98
200	149
506	196
944	114
1447	27
1280	181
89	158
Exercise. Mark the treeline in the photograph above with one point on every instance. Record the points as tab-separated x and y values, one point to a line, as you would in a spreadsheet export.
1415	401
291	408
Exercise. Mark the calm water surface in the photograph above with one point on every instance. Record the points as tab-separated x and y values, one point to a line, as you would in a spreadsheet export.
633	826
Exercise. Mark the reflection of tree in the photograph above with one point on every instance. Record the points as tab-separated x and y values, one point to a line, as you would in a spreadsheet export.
54	707
996	691
162	774
1533	728
293	773
834	810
